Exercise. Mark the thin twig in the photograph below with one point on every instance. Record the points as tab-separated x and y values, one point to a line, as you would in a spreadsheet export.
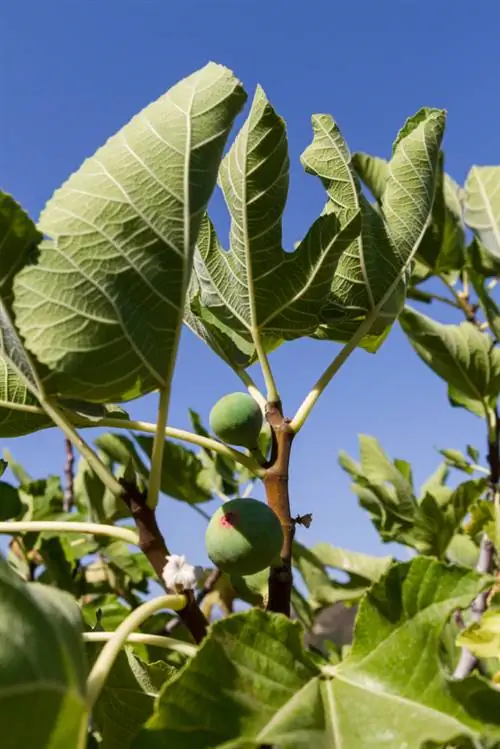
69	496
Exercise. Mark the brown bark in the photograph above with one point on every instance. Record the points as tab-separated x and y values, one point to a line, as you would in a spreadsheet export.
152	544
276	486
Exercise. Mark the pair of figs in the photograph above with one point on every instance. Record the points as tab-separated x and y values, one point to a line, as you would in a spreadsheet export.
244	536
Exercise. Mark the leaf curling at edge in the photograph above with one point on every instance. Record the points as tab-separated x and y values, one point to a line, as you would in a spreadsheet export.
266	690
109	330
256	291
370	279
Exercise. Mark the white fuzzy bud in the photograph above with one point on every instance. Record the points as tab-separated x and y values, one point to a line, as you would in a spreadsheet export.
178	574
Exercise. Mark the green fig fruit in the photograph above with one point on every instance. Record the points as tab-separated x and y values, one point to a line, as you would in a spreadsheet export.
237	419
243	537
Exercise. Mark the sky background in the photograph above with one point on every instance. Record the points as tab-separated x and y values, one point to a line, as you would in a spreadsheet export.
73	72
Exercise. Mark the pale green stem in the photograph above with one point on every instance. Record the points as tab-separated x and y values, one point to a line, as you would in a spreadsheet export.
185	436
157	641
480	469
251	387
109	653
310	400
99	468
58	526
158	448
491	284
272	390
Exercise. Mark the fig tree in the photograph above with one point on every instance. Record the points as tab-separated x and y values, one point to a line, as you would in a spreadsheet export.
237	419
243	537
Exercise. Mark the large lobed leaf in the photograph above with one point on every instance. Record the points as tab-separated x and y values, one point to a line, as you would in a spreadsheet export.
368	286
258	294
103	304
42	678
251	682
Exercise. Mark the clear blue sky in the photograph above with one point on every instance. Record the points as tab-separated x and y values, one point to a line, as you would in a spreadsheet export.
73	72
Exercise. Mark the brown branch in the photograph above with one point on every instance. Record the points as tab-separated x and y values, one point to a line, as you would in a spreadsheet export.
69	497
208	586
152	544
276	486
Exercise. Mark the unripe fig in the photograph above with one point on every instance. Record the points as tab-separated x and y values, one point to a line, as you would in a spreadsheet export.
243	536
237	419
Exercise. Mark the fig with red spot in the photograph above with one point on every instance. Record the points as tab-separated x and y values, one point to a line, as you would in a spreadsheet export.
244	536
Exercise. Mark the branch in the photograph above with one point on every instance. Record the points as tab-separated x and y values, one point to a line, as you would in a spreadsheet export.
251	387
54	526
276	486
60	419
68	474
462	301
152	544
158	448
322	383
184	436
156	641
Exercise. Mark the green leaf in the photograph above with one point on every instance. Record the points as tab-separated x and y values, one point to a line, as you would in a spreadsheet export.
443	245
183	475
352	562
482	206
10	503
313	564
481	261
486	302
222	467
436	480
459	354
251	683
457	460
463	551
369	282
144	194
483	638
127	698
373	171
257	292
42	679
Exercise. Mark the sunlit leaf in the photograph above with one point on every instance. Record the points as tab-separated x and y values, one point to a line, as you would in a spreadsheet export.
482	205
257	293
108	330
369	282
251	682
